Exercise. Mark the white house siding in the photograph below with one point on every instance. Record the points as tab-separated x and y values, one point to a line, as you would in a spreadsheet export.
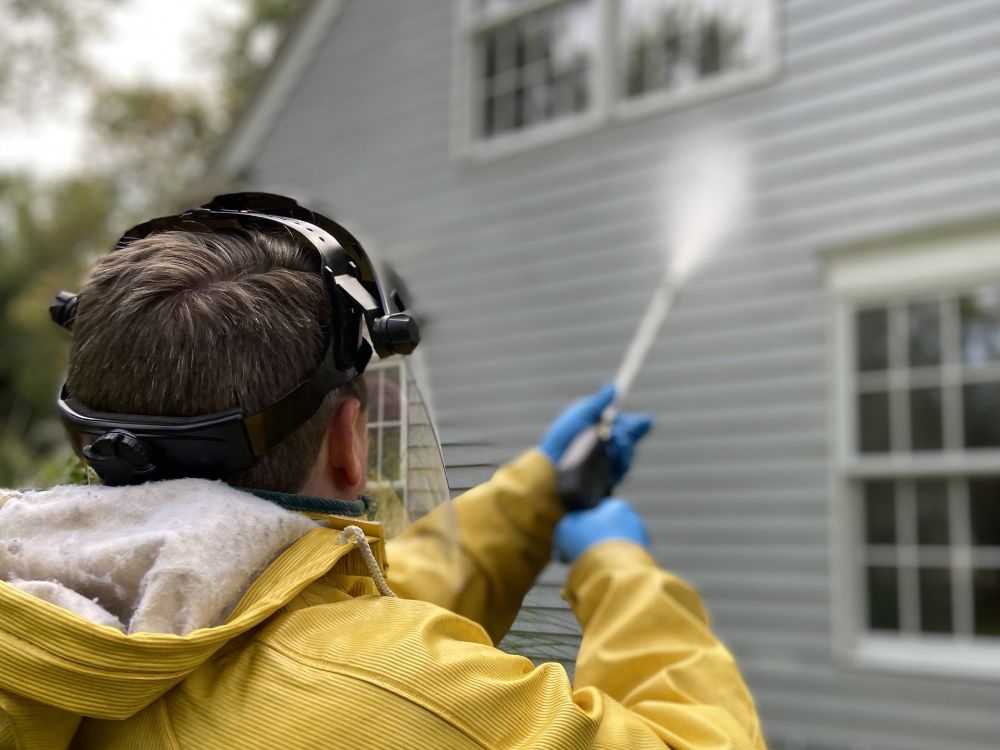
534	269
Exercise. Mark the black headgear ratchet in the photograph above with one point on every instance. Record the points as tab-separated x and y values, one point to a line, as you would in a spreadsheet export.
130	448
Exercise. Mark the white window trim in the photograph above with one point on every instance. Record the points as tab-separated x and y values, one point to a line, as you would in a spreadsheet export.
608	104
874	274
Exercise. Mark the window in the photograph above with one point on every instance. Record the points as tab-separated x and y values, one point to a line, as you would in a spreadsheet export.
919	456
927	374
536	69
668	45
387	388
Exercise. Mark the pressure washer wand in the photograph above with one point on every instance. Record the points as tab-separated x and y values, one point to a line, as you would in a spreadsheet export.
659	307
585	476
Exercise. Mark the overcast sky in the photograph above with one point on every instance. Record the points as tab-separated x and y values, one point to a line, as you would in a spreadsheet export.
145	40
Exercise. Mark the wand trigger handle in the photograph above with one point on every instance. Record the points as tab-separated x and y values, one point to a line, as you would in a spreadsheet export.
584	477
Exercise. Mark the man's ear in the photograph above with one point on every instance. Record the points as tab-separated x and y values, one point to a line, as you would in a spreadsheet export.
347	456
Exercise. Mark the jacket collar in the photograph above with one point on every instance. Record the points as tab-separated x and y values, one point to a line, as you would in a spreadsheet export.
313	506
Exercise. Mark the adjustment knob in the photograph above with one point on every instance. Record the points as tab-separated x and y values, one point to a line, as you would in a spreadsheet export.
396	334
119	457
63	309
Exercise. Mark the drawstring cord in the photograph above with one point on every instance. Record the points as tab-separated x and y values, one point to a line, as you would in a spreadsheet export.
356	534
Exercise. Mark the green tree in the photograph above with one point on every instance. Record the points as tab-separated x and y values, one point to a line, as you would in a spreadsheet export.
151	141
47	233
252	43
147	145
41	49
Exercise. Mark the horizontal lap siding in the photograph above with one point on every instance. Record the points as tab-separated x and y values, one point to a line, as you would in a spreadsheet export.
534	269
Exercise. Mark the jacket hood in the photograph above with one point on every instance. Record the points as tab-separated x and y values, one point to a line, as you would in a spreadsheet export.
111	595
165	557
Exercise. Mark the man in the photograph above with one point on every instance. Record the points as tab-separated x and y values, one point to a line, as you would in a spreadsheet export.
187	613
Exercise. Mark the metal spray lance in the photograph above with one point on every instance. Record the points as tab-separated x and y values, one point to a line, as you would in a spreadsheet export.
708	192
584	470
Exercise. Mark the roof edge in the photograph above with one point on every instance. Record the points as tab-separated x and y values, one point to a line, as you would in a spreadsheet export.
252	124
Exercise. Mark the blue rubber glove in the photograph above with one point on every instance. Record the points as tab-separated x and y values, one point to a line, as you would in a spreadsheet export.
574	419
626	431
612	518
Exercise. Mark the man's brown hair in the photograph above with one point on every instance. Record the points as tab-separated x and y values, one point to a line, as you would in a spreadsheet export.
186	324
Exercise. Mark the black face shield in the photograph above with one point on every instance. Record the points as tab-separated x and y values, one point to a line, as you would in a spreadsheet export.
133	448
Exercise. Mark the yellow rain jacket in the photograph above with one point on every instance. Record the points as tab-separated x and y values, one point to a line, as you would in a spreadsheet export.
313	657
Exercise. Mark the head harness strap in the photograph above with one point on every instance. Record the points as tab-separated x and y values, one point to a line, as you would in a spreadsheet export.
130	448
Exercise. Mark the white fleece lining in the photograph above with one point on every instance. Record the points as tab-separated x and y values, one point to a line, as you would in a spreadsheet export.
163	557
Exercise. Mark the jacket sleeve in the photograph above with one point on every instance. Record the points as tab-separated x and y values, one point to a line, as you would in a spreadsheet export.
480	556
647	645
649	672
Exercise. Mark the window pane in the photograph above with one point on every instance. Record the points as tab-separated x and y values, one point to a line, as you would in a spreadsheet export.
505	42
373	470
392	397
873	422
488	56
536	67
535	31
519	108
883	598
653	46
564	95
581	99
880	512
573	35
665	44
932	512
872	330
925	419
634	69
986	597
980	312
984	511
504	113
384	397
667	57
391	456
711	50
373	385
981	410
935	600
538	103
489	108
924	334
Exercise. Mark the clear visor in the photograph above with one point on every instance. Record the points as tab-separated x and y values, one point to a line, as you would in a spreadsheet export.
406	471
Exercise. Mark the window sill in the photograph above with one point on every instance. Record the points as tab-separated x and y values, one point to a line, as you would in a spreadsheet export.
516	142
660	102
931	657
977	461
625	111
